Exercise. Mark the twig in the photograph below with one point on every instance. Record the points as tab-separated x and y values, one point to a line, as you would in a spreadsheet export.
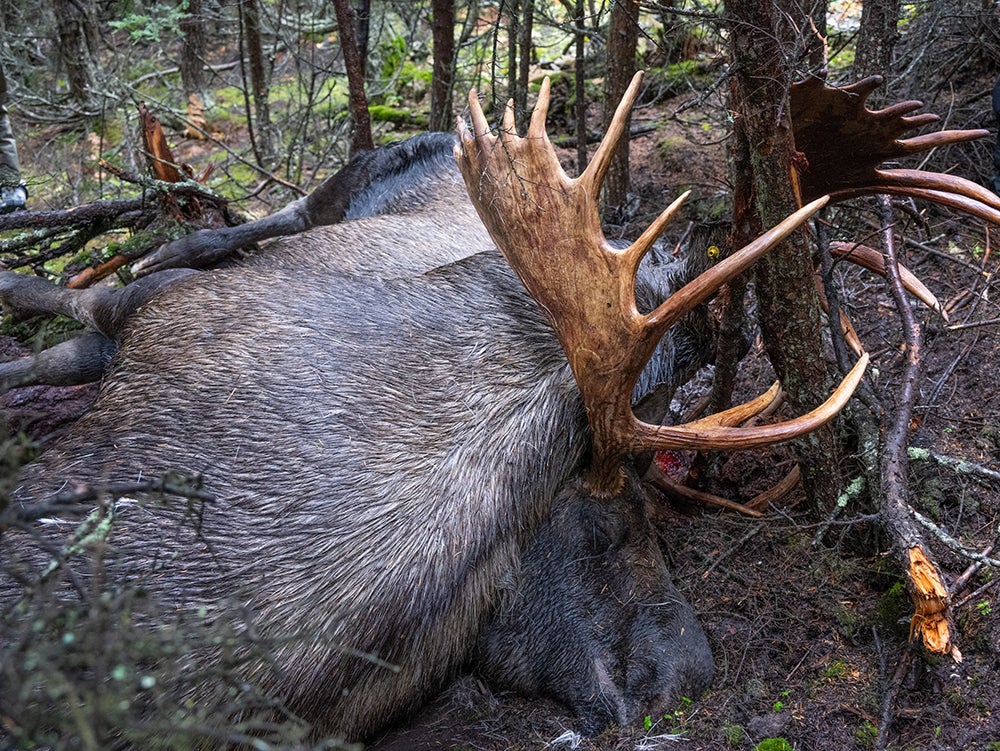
852	491
954	545
722	556
972	324
959	584
976	593
962	466
889	697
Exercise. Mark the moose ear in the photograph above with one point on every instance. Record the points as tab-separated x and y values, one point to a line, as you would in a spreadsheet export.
844	142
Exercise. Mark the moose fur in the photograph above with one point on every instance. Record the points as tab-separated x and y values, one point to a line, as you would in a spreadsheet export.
394	442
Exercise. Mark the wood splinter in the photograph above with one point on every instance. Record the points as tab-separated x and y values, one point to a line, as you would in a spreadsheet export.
932	606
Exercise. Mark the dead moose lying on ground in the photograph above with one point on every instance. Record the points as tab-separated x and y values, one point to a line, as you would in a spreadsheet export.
410	473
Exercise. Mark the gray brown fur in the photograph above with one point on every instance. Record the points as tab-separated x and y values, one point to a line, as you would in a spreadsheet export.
395	454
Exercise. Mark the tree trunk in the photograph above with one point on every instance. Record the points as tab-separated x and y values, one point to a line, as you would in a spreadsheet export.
261	136
76	28
623	38
513	38
877	37
524	63
362	26
443	76
580	80
816	51
362	138
192	68
788	306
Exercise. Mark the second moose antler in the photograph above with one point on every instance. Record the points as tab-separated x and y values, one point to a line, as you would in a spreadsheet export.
548	227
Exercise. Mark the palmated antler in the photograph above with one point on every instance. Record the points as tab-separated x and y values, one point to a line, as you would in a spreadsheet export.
548	227
844	142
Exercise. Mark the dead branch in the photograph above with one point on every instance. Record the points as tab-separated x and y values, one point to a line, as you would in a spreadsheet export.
951	543
962	466
889	697
932	606
676	490
88	213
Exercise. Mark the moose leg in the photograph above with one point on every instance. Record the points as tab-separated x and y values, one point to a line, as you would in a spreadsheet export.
205	247
594	621
82	359
104	309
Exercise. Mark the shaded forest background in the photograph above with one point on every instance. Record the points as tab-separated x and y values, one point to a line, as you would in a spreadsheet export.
264	87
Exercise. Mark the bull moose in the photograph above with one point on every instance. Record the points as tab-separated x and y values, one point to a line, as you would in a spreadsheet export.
414	466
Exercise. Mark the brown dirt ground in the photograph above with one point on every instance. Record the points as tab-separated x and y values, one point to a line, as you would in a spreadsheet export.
808	635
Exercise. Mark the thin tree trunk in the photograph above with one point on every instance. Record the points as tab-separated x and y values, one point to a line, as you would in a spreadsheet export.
877	36
524	63
623	38
788	306
362	26
192	67
362	138
442	78
816	39
76	28
580	81
262	135
513	37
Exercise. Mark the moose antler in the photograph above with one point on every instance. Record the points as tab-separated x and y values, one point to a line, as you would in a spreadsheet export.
844	142
548	227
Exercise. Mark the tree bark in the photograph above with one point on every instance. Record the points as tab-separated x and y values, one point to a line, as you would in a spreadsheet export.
513	39
76	28
443	76
524	63
816	49
877	36
362	26
580	80
788	306
362	138
623	38
192	65
261	136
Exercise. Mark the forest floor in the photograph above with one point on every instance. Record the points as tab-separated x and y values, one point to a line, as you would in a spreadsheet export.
809	630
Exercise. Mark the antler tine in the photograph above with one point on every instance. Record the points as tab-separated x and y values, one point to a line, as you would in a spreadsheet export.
593	177
700	288
862	88
508	130
480	128
899	109
536	127
707	433
874	261
929	141
946	190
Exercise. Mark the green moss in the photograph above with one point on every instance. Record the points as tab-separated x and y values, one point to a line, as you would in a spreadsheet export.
893	610
773	744
381	113
836	669
734	734
866	734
